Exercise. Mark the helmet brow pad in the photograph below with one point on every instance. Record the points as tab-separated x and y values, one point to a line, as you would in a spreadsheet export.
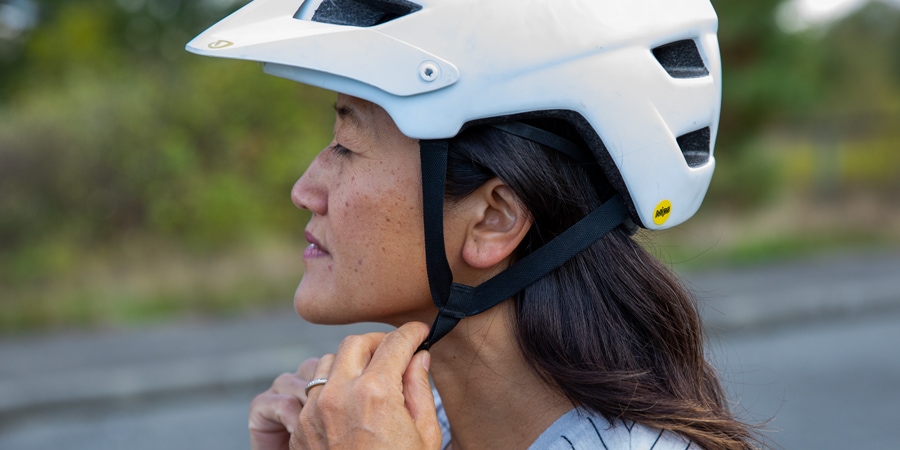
361	13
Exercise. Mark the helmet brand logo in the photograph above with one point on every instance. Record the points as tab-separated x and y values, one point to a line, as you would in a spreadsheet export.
662	212
221	43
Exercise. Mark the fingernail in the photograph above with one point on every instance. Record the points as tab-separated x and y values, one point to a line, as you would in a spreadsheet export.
426	360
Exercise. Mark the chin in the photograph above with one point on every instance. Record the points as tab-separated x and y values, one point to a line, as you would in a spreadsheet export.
317	307
311	311
321	311
305	307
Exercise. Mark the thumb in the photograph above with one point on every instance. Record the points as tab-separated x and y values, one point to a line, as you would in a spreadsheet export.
420	399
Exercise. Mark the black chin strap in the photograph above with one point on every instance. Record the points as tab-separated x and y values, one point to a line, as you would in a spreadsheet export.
456	301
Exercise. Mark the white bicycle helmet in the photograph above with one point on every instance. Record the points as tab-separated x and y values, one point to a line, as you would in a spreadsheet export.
640	80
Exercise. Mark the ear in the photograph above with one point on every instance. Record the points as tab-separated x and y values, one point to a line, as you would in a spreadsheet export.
497	224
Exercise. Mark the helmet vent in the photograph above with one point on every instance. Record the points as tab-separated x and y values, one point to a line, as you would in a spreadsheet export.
695	147
359	13
681	59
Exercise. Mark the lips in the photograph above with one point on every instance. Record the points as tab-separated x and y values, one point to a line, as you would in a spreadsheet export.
314	249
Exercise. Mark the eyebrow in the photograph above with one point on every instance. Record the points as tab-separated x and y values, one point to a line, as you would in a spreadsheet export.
349	114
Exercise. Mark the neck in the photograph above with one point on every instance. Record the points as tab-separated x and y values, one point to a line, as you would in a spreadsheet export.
491	396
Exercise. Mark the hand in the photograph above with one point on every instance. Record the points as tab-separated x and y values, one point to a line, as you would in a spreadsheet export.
378	396
275	412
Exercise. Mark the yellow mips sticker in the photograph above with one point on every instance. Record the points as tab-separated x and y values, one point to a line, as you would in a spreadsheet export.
662	212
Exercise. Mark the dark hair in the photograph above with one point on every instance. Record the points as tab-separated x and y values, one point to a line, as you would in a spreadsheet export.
612	329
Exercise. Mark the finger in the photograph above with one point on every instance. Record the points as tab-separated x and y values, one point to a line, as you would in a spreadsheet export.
419	398
309	424
354	354
271	413
323	366
307	369
273	417
397	348
323	370
290	384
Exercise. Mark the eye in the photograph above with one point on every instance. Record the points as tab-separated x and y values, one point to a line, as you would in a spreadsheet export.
340	150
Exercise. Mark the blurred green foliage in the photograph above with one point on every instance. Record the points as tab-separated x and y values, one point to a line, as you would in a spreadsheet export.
111	135
825	85
106	133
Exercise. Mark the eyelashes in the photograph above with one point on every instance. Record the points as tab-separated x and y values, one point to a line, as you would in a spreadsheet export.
340	150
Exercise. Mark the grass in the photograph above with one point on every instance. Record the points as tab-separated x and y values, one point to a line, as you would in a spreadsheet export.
148	282
795	226
765	250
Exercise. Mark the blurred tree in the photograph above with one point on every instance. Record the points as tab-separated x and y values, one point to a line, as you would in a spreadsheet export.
109	128
862	61
767	73
98	34
17	18
768	76
861	66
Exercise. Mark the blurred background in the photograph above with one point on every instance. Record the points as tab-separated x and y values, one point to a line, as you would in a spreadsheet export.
139	182
142	186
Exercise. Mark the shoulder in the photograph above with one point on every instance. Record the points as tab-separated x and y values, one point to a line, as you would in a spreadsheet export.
581	429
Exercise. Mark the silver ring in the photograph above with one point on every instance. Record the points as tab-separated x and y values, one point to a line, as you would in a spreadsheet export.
314	383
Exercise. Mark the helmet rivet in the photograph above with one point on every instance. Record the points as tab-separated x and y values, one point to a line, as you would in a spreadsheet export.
429	71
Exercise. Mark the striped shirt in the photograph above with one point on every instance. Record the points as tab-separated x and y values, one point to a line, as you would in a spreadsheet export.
580	429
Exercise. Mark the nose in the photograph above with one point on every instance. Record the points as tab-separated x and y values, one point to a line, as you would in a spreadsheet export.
309	191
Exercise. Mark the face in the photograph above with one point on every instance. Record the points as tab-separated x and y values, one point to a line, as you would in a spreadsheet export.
366	258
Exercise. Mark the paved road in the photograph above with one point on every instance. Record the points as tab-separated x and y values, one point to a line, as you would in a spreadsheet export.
811	345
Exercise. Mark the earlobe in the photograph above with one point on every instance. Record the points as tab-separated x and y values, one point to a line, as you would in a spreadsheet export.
498	224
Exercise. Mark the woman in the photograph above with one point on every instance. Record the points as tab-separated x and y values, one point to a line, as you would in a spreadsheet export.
533	138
